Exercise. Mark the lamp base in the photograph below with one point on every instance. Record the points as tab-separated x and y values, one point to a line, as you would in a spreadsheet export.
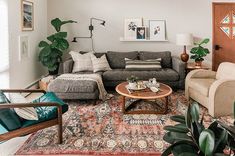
184	57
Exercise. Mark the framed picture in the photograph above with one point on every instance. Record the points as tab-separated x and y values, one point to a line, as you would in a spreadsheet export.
27	14
141	33
157	30
130	27
24	47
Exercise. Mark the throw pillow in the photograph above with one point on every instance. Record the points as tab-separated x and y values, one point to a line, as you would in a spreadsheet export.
100	64
28	113
8	118
153	64
82	62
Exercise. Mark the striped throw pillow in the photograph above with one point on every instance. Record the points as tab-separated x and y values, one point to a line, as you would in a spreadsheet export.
100	64
82	62
153	64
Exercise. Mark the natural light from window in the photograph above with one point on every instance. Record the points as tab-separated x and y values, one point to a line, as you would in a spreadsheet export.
4	51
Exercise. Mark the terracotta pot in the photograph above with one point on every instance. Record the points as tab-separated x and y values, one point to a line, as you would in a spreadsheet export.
198	63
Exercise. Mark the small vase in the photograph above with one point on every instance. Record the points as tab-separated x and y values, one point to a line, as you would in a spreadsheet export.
132	84
198	63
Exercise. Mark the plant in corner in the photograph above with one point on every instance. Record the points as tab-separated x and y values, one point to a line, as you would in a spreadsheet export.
199	52
51	52
191	138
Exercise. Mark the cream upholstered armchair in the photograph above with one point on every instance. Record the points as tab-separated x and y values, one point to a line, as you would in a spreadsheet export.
213	90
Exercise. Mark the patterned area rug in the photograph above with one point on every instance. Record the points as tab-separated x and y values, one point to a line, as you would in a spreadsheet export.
102	129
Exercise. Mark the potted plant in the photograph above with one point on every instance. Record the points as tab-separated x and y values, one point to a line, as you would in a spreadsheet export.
51	52
191	138
132	81
199	52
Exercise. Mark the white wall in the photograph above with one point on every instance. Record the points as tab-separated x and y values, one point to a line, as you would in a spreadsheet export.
194	16
23	73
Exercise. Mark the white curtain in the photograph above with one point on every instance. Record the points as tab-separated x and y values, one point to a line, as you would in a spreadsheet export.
4	52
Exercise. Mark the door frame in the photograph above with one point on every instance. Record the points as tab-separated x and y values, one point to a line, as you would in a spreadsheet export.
213	29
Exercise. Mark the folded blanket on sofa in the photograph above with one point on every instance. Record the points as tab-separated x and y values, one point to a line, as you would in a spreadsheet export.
103	95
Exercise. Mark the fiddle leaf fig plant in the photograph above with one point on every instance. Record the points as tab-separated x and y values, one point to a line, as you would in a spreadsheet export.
51	51
190	137
199	52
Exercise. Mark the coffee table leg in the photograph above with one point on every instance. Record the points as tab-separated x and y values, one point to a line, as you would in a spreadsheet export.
167	102
123	104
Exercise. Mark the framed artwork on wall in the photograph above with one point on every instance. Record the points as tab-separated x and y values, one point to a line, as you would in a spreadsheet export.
23	47
130	27
141	33
157	30
27	15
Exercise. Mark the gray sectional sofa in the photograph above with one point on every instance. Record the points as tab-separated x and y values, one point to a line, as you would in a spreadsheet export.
172	73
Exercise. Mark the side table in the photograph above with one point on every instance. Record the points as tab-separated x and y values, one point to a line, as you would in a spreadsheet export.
191	66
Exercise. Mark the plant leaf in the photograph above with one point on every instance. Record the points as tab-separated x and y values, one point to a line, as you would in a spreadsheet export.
205	41
188	117
194	111
188	154
43	44
57	23
207	142
181	128
184	148
172	137
178	118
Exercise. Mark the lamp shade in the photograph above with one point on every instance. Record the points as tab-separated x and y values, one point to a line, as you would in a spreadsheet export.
184	39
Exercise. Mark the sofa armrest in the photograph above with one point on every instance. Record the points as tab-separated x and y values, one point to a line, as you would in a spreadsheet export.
67	66
179	66
221	97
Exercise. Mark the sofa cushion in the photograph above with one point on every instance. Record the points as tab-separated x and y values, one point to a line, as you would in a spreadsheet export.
165	74
8	118
165	56
117	59
46	113
82	62
100	64
201	85
153	64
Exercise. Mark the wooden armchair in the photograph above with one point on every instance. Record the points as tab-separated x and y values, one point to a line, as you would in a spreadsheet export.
33	128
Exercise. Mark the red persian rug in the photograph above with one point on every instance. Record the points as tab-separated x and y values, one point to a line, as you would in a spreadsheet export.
102	129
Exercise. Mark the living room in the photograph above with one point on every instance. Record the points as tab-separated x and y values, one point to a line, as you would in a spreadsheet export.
115	77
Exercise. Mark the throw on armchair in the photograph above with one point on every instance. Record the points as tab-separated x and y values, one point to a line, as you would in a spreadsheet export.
213	90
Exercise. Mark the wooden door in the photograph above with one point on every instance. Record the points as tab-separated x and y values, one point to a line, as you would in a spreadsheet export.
223	33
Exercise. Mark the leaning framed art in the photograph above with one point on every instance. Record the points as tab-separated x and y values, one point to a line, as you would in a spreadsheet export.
27	15
157	30
130	27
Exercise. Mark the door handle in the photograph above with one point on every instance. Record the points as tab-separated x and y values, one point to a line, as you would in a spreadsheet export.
218	47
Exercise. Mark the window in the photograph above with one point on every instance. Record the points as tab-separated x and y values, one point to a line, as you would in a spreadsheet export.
4	52
228	25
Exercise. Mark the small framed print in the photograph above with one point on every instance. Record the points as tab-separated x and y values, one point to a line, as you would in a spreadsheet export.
130	27
27	15
157	30
141	33
24	47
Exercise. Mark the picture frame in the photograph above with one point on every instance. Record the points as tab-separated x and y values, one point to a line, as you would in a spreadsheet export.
27	15
157	30
141	33
130	27
23	47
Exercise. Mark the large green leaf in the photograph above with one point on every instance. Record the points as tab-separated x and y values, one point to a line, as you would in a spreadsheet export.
61	35
172	137
221	141
207	142
178	118
61	44
188	154
43	44
169	150
188	117
181	128
194	111
205	41
184	148
57	23
197	128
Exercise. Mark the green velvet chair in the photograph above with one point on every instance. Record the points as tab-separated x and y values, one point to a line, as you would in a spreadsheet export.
48	107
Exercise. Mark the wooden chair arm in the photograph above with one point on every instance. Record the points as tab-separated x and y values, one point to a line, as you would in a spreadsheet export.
22	105
23	91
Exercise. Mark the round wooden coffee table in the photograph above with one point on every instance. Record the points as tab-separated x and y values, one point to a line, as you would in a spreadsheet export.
146	95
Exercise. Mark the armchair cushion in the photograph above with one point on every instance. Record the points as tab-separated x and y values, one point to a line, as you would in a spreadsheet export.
201	85
46	113
8	118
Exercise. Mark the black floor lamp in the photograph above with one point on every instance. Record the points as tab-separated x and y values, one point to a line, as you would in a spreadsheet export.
91	28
